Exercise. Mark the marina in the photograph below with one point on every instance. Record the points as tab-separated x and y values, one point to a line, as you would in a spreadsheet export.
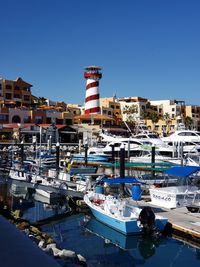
100	134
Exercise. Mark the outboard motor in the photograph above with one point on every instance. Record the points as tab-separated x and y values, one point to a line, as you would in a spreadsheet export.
147	220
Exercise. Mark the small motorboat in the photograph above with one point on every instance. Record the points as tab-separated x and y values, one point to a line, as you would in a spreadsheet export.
123	216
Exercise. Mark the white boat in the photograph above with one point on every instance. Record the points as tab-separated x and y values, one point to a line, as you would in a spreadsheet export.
119	214
174	196
133	147
186	136
146	157
47	194
180	195
188	159
150	137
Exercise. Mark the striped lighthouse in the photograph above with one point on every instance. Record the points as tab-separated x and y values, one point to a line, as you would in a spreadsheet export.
92	75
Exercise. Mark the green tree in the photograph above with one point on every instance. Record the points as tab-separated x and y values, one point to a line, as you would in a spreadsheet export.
153	116
130	111
41	101
188	122
167	120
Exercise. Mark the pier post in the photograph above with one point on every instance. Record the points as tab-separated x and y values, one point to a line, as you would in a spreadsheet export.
122	169
181	152
22	153
113	159
153	151
57	157
86	150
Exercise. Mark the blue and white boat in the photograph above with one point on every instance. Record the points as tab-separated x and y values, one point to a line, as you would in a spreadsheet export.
90	158
119	213
82	170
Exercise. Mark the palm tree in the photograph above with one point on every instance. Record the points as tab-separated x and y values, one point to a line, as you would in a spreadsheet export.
153	116
130	111
42	101
167	120
188	122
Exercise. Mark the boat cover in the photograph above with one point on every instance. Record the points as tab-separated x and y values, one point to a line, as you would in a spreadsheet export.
126	180
182	171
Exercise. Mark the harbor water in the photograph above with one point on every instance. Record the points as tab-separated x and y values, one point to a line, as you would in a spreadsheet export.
100	245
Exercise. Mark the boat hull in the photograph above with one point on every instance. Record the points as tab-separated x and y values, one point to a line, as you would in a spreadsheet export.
126	225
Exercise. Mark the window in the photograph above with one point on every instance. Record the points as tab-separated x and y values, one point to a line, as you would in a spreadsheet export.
16	95
8	96
17	87
38	119
3	118
26	97
27	119
8	86
16	119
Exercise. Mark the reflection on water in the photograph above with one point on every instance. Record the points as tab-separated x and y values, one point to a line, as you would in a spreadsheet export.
27	204
99	244
146	245
103	246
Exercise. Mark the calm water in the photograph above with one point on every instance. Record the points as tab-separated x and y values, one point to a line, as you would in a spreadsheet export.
102	246
99	244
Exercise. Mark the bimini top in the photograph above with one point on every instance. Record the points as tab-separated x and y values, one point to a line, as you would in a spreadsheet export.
182	171
126	180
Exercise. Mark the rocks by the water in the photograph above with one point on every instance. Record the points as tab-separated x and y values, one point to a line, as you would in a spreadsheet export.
22	225
45	242
63	254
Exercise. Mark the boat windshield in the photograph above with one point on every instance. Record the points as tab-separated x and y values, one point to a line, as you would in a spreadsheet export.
153	136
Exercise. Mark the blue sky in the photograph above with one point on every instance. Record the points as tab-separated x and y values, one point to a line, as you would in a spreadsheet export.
147	48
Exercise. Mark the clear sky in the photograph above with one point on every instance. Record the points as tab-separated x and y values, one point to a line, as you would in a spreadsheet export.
147	48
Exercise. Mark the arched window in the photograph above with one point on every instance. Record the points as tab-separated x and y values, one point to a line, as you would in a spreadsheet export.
16	119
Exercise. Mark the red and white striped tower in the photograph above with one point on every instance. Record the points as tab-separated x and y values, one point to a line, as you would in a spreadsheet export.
92	74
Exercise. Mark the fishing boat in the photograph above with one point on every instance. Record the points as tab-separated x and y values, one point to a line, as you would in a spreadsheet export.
82	170
90	158
186	192
121	215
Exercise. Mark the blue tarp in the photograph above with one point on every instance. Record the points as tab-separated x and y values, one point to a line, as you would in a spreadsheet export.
182	171
126	180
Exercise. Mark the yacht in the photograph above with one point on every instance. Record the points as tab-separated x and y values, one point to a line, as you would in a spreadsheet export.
186	136
151	137
131	147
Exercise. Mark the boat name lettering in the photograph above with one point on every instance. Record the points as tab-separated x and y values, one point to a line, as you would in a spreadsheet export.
165	198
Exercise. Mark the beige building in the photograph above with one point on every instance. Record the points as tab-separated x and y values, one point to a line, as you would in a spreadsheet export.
110	106
16	92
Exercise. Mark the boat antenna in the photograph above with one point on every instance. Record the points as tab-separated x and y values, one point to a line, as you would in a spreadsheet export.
128	128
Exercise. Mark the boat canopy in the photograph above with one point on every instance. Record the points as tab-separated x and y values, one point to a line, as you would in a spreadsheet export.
182	171
126	180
